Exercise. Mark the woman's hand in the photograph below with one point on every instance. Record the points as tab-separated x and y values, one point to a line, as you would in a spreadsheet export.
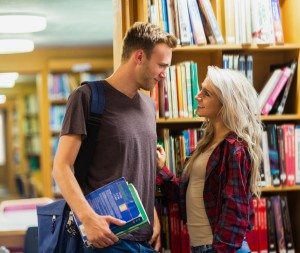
161	156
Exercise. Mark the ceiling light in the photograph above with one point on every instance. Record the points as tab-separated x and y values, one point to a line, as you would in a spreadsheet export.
10	46
7	80
22	23
2	99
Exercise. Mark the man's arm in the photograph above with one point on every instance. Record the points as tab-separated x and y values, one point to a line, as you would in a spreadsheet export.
155	239
96	226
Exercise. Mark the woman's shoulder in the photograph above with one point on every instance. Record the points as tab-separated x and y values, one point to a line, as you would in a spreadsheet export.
233	141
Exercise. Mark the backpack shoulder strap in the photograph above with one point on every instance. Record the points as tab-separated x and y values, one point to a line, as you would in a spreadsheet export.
97	100
86	151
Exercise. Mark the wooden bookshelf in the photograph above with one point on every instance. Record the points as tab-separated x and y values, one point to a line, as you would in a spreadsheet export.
61	67
19	137
263	57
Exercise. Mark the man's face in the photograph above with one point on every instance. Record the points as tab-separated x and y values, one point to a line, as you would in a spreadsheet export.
153	68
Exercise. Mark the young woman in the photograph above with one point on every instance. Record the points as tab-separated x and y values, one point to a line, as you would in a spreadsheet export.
219	180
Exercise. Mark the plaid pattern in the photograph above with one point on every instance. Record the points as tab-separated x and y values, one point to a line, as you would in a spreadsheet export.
226	193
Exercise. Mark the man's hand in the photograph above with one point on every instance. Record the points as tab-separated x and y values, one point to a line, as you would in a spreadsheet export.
98	232
155	239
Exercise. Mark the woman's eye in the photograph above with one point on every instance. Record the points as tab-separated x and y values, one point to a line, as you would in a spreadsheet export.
206	93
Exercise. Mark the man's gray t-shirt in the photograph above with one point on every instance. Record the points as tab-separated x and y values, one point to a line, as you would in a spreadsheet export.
126	143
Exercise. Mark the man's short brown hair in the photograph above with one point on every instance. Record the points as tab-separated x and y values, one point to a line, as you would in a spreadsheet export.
145	36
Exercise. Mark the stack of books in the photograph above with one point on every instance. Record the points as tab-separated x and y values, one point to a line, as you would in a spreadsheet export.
120	200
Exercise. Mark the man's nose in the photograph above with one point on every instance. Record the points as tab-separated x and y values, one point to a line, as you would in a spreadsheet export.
162	75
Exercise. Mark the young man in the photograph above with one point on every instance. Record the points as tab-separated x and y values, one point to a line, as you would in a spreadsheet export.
126	143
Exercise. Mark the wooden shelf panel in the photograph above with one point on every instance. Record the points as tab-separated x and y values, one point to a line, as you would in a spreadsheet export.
285	117
280	188
58	101
67	65
252	47
179	120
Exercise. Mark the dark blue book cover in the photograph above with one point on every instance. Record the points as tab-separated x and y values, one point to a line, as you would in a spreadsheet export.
120	200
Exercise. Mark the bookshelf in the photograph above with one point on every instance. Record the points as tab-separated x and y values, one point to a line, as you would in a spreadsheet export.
128	12
58	79
24	143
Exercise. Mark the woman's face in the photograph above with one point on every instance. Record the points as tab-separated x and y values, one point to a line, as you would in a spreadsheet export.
209	104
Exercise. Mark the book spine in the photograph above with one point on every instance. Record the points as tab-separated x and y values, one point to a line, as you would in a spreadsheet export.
273	154
288	235
268	87
287	89
297	153
184	22
289	152
266	160
262	223
278	31
196	23
282	156
271	227
229	21
279	86
210	16
276	206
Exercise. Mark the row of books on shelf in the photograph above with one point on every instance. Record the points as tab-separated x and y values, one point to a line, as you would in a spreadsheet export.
178	146
253	21
31	104
57	113
268	234
281	149
194	22
280	144
31	125
174	97
240	62
273	97
61	85
272	231
54	144
174	233
32	144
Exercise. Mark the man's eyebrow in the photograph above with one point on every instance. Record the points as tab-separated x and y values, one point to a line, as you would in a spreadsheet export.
164	64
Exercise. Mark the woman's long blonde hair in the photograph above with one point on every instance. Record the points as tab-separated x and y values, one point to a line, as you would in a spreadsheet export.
240	113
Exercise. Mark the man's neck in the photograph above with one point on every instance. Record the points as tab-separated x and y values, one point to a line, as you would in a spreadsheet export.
122	80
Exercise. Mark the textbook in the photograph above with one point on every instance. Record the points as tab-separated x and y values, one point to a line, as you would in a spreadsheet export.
120	200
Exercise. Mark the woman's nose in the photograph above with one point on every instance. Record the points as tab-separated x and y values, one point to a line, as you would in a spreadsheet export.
198	97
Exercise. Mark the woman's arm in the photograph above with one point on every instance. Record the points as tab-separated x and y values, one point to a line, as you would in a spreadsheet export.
165	178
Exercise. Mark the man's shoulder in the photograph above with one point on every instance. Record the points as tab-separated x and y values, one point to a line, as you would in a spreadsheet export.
82	90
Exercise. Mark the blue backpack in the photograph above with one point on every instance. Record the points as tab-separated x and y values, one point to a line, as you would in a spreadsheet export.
55	233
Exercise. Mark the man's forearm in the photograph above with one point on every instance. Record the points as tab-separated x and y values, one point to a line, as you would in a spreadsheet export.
71	191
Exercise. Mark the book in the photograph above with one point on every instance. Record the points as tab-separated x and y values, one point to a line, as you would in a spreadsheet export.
120	200
283	100
271	227
286	72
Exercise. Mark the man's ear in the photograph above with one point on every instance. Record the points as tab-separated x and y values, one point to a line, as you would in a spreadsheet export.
138	56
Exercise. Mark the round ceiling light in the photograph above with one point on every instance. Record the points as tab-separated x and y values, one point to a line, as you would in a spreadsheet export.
11	46
7	80
21	23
